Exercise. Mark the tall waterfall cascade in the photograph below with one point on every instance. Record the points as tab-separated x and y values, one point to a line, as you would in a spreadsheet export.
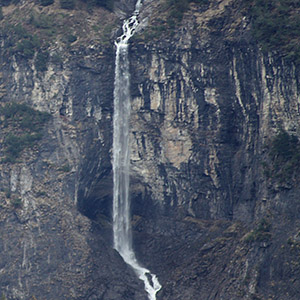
121	158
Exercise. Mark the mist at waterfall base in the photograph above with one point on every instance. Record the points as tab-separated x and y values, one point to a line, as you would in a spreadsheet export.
121	158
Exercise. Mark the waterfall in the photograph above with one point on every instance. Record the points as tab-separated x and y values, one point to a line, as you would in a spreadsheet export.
121	158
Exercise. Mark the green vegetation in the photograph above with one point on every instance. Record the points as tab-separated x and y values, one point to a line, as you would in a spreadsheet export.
276	25
8	2
20	40
42	21
155	31
65	168
7	193
3	297
41	194
15	144
41	61
108	4
25	125
21	115
177	8
284	154
284	147
56	59
45	26
67	4
71	38
29	33
16	202
1	13
261	233
46	2
27	47
106	34
170	17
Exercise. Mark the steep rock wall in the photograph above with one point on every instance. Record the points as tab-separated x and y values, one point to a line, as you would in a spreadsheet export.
205	102
204	107
48	248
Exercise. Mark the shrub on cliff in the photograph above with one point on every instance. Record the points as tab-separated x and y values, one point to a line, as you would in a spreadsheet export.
177	8
108	4
8	2
26	48
41	21
105	3
25	128
17	202
284	146
284	158
19	40
3	297
67	4
261	233
171	16
27	43
276	25
41	61
46	2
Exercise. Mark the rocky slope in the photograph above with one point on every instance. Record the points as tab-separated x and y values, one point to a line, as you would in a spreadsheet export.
214	216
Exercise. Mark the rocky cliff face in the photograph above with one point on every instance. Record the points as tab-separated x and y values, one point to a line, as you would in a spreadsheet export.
207	219
210	101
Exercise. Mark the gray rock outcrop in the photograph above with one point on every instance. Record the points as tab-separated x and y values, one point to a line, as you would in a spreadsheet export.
207	220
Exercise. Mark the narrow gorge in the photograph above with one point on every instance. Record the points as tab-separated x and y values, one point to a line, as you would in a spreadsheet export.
210	132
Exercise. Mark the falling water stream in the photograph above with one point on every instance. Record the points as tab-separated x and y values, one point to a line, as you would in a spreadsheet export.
121	158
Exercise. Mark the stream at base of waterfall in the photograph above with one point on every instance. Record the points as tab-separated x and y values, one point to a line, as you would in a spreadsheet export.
121	158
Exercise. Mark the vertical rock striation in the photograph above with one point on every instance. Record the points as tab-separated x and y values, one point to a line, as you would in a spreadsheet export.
205	106
208	221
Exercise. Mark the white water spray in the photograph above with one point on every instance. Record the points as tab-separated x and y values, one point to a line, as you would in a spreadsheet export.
121	158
